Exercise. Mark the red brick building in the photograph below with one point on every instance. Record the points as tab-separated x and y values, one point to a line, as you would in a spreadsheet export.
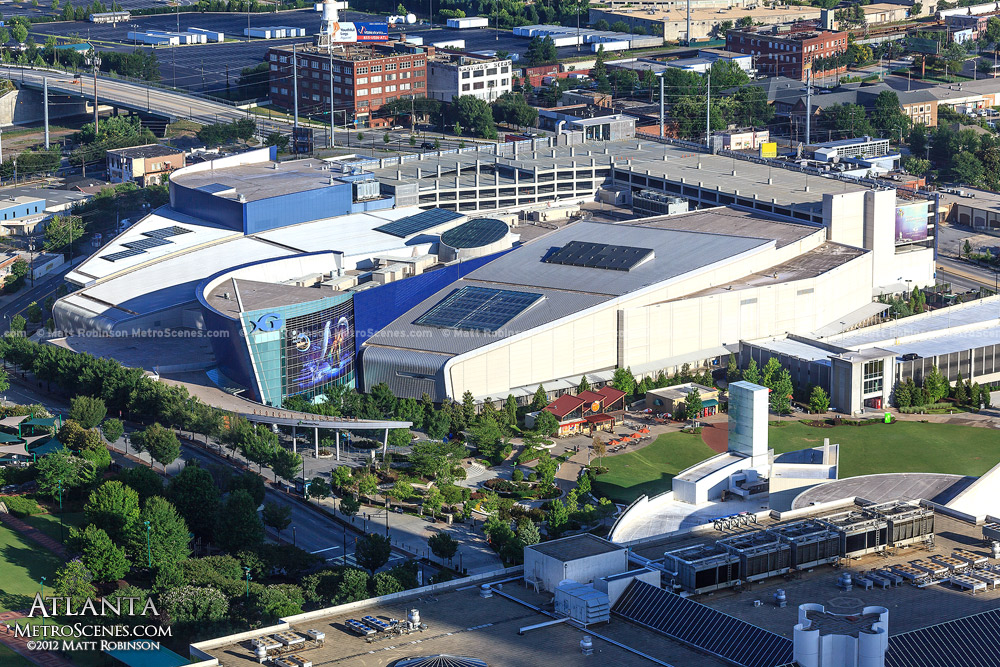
787	50
365	77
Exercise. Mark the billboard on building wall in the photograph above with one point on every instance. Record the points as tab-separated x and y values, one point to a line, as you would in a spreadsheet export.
911	223
319	348
349	33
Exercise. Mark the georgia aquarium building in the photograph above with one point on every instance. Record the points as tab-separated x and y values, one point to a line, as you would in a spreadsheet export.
287	267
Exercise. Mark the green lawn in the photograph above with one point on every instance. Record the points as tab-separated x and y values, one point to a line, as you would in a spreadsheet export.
10	659
22	564
650	470
49	523
864	450
899	447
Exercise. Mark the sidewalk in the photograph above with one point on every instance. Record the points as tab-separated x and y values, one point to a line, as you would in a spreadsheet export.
20	644
33	534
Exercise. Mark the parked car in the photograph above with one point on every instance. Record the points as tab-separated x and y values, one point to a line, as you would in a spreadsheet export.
427	146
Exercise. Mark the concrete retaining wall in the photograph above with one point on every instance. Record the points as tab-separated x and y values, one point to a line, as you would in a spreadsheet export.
19	107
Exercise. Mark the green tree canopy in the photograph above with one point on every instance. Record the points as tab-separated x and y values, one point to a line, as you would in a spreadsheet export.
105	560
161	443
238	526
195	495
372	552
114	508
168	535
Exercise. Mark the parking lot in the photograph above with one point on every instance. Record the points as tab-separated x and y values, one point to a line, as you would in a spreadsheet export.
204	67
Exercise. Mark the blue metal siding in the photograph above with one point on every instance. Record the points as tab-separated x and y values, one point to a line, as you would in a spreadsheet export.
16	211
290	209
375	308
201	204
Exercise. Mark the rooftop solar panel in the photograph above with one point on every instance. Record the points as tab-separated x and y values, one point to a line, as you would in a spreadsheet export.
700	626
115	256
417	223
478	309
166	232
600	256
146	244
963	642
475	233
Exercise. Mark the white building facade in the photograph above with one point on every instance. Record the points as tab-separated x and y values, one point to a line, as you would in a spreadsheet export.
455	76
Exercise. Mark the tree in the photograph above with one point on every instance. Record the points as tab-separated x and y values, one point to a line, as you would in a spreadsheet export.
539	400
961	395
475	115
372	552
238	527
277	516
693	403
433	500
386	584
318	488
542	50
62	232
285	463
145	481
770	372
487	438
781	393
847	120
435	460
888	117
527	532
557	517
954	56
443	545
88	411
161	444
194	494
106	561
341	476
114	508
968	169
751	373
17	323
112	429
349	504
367	484
623	380
583	386
546	423
819	402
902	395
73	580
277	139
168	536
195	604
400	491
600	449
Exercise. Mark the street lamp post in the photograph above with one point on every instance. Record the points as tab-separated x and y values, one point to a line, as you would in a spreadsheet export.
248	581
62	537
94	60
149	550
293	536
41	594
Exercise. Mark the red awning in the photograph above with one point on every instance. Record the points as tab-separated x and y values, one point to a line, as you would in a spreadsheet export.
598	418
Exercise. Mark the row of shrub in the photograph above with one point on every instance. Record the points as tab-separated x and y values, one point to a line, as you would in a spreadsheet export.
20	506
917	409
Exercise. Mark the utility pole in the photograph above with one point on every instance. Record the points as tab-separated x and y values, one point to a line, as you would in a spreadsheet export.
94	60
45	97
577	25
689	24
661	107
708	108
809	90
